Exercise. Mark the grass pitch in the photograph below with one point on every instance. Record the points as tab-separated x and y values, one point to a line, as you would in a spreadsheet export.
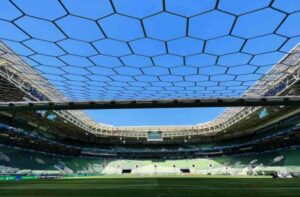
154	187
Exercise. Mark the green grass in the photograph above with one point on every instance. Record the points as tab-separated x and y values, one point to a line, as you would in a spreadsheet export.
180	186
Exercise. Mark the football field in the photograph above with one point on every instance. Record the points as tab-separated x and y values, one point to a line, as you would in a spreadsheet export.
182	186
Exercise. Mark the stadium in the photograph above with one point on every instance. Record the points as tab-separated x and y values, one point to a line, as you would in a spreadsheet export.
62	59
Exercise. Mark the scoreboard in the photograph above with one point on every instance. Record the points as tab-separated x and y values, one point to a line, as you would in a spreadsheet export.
155	136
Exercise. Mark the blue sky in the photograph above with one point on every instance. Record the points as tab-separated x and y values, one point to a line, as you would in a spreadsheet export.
175	116
133	49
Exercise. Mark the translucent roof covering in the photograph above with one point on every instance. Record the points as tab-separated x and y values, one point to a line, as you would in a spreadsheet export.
150	49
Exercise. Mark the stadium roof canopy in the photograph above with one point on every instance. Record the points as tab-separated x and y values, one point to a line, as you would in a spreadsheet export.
112	50
150	49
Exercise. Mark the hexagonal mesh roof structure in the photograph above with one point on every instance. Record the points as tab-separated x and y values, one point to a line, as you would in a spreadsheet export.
151	49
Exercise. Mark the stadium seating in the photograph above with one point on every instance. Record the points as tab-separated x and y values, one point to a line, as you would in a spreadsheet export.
17	161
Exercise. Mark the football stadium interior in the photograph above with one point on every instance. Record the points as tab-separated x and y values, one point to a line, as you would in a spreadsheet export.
59	58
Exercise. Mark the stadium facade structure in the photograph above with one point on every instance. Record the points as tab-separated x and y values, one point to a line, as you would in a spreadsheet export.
22	83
